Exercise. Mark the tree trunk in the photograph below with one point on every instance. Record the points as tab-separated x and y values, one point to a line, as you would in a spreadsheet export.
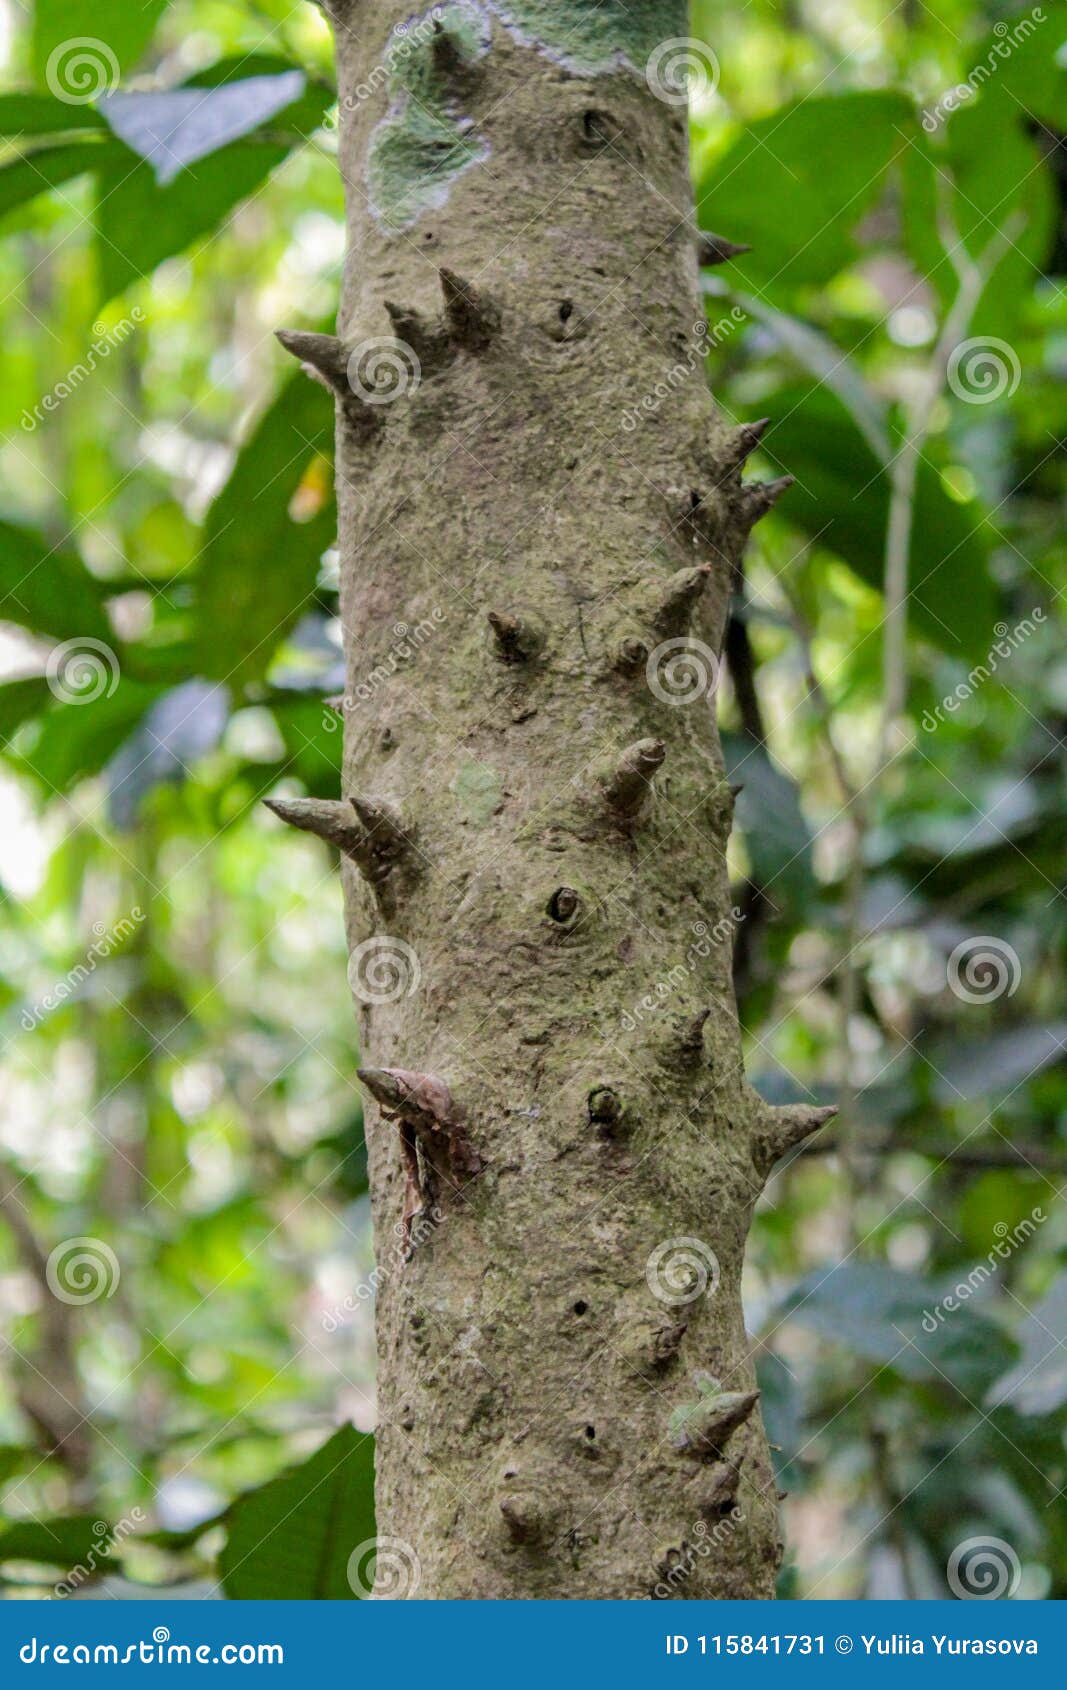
540	514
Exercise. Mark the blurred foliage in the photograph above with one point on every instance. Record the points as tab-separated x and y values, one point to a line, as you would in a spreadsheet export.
177	1029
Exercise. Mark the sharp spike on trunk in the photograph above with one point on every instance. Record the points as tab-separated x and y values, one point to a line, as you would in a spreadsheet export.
679	599
386	839
325	356
422	1099
329	819
518	638
782	1129
423	336
736	788
742	442
473	318
716	249
760	497
708	1427
625	783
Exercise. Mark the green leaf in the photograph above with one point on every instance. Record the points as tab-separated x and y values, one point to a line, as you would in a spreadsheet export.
777	837
292	1538
258	565
58	1543
44	114
1038	1383
139	223
19	701
76	740
89	41
46	168
842	500
47	589
796	183
899	1320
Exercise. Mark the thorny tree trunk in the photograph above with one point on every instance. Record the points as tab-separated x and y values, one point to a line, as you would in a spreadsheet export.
534	824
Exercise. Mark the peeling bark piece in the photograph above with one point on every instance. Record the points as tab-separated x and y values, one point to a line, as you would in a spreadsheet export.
329	819
782	1129
679	599
473	318
625	784
716	249
756	500
519	638
422	1099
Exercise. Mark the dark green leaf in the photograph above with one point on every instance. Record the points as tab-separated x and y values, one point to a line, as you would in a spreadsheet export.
47	589
49	167
80	46
292	1538
44	114
58	1543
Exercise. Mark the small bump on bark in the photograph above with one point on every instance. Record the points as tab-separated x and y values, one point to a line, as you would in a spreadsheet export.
517	637
632	654
681	595
691	1043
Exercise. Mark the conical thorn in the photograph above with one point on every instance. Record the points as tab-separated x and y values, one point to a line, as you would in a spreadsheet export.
422	1099
328	818
760	497
518	638
424	337
742	442
679	599
473	318
323	355
782	1129
716	249
386	837
625	784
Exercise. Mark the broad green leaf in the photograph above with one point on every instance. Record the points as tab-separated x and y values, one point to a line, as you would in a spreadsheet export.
47	589
1038	1383
61	1542
842	500
899	1320
777	837
795	184
44	114
45	168
139	223
292	1539
258	566
19	701
76	740
82	45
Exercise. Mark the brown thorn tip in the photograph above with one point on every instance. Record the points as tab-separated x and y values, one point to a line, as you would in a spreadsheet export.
742	441
716	249
761	496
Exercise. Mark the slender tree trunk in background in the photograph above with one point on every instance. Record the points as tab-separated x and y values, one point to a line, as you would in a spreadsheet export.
537	842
